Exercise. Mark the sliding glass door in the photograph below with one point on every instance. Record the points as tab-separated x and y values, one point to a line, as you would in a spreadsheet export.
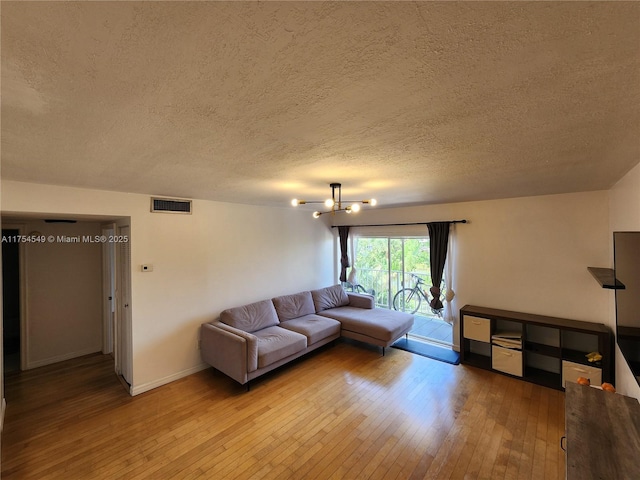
397	267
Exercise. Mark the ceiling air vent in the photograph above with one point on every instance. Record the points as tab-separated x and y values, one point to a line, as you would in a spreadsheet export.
170	205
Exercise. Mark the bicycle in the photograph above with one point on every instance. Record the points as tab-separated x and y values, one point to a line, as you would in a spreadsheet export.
409	299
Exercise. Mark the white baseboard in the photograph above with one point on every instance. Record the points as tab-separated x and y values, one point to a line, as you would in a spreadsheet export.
138	389
61	358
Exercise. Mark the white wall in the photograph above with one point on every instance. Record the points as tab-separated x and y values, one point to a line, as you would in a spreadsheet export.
524	254
221	256
624	216
64	294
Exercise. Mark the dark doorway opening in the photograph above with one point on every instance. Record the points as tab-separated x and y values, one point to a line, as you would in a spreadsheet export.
11	299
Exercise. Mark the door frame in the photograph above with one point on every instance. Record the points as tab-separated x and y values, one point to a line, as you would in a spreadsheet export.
123	345
108	289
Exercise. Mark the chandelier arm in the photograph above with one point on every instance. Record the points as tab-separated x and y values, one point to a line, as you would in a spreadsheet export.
336	206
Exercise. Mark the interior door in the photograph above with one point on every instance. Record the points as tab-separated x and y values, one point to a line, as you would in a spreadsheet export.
123	337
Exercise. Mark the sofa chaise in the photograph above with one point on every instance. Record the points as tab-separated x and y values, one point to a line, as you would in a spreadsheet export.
251	340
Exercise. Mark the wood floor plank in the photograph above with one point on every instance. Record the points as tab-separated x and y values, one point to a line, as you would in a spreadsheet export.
535	451
492	464
342	412
476	406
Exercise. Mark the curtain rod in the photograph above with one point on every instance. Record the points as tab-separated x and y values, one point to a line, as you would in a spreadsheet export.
396	224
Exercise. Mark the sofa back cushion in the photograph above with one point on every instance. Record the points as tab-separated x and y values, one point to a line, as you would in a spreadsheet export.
294	306
252	317
329	297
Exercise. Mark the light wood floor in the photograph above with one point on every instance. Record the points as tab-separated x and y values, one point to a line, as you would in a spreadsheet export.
343	412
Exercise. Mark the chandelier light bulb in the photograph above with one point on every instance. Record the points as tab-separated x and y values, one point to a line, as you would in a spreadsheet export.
373	202
335	203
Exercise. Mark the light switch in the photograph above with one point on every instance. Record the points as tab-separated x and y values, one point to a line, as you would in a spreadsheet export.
147	268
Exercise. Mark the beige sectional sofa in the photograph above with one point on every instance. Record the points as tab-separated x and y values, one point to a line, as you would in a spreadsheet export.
251	340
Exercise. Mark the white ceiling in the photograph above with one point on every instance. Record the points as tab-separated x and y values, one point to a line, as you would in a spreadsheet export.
412	103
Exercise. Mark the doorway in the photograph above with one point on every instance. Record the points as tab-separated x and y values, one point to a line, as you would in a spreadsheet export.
11	299
23	270
388	265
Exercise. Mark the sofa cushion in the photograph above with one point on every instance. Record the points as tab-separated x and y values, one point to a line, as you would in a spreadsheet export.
329	297
361	300
275	343
313	326
252	317
379	323
294	306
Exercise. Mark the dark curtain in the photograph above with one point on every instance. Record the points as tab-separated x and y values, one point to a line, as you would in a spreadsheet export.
344	258
438	242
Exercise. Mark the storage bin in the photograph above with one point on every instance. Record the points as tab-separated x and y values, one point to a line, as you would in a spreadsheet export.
476	328
506	360
571	371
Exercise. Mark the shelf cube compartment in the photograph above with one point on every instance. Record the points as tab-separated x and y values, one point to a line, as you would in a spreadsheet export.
477	328
571	371
506	360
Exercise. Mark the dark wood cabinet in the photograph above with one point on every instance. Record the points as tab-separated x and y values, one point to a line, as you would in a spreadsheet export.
551	350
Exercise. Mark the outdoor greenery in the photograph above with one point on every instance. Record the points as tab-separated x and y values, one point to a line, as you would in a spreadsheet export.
407	256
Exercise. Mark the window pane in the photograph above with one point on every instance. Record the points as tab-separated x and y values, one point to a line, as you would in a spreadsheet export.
372	266
385	266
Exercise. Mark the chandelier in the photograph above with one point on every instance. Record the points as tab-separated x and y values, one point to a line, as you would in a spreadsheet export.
335	203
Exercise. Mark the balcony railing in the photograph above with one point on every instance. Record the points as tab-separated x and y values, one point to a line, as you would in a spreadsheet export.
385	285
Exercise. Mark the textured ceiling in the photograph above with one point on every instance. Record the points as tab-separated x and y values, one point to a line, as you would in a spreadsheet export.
422	102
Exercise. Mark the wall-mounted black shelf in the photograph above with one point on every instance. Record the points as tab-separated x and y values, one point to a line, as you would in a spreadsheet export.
606	278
